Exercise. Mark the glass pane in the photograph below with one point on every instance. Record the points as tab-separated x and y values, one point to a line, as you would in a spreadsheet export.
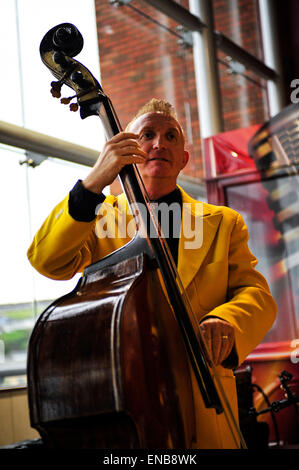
49	183
10	90
31	103
243	95
239	21
27	197
277	254
15	276
143	56
28	194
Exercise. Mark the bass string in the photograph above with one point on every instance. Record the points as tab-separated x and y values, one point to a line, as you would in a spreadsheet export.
229	415
169	258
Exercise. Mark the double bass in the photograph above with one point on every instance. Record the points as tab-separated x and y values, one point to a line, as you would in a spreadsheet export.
110	363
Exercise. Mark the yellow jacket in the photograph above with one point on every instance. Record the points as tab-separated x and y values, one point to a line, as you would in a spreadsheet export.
219	277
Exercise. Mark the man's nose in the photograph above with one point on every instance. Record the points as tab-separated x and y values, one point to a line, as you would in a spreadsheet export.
159	142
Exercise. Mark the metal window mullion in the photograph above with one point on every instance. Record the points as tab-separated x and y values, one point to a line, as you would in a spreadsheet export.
193	23
206	72
270	43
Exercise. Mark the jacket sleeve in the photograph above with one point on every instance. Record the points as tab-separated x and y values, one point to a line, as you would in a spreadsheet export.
62	246
250	307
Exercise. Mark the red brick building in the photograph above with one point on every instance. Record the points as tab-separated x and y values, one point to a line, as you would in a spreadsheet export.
142	56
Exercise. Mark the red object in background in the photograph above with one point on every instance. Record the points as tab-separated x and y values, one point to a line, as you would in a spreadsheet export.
233	179
227	153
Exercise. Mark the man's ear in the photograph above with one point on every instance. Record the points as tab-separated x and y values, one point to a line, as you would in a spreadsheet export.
186	158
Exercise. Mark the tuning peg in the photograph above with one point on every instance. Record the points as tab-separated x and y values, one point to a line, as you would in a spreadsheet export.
74	107
56	86
56	89
67	100
59	59
78	78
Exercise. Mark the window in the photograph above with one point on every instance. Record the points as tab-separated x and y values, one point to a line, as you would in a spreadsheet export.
273	228
28	194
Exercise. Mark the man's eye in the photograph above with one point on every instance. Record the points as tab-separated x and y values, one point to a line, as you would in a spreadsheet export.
146	135
172	137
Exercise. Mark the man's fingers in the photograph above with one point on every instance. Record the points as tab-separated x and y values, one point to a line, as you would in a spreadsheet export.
126	142
122	149
120	146
123	136
130	159
206	340
226	345
218	339
131	150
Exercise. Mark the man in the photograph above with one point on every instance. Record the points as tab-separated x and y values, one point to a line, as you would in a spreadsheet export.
231	300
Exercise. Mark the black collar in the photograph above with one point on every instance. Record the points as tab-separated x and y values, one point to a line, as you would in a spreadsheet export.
174	196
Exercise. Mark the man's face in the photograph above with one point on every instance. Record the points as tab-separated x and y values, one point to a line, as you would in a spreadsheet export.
161	137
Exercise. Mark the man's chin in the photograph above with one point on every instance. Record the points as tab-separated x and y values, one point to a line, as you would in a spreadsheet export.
157	166
154	173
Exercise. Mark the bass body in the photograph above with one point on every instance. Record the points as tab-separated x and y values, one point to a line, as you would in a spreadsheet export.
107	366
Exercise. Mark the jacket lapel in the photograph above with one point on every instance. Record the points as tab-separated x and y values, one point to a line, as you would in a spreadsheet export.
190	258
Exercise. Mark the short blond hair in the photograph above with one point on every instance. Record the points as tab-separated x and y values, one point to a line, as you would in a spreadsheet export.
157	106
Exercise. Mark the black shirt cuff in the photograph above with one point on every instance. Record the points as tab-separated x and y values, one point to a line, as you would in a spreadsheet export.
83	203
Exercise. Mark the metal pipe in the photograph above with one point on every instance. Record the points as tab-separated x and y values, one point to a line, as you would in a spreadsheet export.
272	56
178	13
240	55
206	72
17	136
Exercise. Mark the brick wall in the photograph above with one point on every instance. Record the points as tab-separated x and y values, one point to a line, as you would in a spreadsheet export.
140	60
